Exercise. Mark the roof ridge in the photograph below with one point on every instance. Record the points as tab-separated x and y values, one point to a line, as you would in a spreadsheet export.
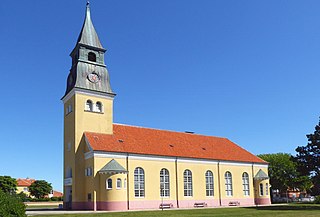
172	131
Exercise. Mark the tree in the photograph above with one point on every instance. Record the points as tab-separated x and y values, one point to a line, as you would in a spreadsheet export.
11	205
8	184
282	171
308	158
40	188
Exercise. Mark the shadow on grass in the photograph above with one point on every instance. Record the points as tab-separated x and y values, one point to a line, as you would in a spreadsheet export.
42	209
287	207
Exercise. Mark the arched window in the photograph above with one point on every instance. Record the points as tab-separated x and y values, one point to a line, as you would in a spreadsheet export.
139	182
118	183
88	105
164	183
98	107
125	183
92	57
109	183
187	181
209	183
267	189
245	183
261	189
228	178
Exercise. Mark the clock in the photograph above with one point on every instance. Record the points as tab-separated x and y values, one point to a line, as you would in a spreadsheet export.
94	77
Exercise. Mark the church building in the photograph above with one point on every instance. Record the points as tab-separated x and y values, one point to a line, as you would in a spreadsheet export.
109	166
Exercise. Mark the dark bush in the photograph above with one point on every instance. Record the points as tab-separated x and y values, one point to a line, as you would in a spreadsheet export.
56	198
11	205
317	200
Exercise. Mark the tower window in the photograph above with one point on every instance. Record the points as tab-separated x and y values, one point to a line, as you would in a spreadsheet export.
92	57
98	107
88	105
68	109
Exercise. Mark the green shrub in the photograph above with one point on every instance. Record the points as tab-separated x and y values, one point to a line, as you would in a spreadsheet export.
56	198
11	206
317	200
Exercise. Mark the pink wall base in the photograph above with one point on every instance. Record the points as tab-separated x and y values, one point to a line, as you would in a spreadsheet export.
242	201
263	201
155	204
150	204
112	206
190	203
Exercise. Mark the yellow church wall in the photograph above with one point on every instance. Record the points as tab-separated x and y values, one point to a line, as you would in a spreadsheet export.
198	170
69	156
76	123
237	184
100	181
265	198
93	121
152	179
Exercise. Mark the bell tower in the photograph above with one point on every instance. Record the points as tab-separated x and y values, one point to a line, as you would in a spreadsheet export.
88	107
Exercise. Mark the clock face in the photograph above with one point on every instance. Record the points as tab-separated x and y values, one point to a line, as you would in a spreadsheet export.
94	77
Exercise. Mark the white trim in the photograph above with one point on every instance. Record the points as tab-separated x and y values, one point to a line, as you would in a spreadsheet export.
88	155
101	154
109	155
150	158
199	161
86	92
261	165
229	163
88	144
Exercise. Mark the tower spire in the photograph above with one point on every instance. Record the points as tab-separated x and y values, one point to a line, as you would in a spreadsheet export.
88	34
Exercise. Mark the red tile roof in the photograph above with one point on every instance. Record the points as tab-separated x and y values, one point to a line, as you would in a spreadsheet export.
25	182
146	141
57	194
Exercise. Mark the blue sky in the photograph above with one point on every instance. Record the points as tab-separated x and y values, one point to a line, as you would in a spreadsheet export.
245	70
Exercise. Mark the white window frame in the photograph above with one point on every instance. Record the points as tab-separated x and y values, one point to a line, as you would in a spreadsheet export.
209	183
228	184
88	105
109	184
245	184
68	109
97	109
164	183
187	183
119	183
125	183
267	189
261	189
139	183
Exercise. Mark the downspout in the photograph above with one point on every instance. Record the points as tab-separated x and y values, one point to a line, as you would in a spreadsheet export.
177	186
253	184
219	183
127	165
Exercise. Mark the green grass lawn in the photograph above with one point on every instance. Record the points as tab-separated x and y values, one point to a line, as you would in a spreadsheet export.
295	210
